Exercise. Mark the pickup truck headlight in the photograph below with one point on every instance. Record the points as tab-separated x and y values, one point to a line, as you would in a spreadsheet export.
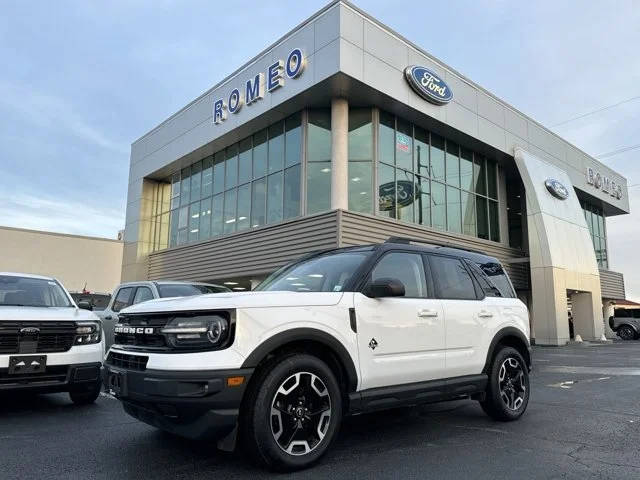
199	332
87	333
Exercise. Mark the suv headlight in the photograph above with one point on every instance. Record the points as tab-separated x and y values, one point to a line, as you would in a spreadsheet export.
87	333
200	332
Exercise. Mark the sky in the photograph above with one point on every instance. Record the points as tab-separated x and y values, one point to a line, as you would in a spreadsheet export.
80	81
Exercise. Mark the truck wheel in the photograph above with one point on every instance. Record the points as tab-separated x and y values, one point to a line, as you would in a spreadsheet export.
507	392
85	397
293	414
625	332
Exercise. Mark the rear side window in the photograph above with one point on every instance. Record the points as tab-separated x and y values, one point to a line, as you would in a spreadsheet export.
622	313
407	268
451	279
123	298
498	277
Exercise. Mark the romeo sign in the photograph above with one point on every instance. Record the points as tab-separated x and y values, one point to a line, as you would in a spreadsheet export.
428	85
254	88
604	183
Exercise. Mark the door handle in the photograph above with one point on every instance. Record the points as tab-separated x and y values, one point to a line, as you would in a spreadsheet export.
485	314
108	317
427	313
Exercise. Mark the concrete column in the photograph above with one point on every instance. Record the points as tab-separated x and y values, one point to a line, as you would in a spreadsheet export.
339	153
587	315
607	311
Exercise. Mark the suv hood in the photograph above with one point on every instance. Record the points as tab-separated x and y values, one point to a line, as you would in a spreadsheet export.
45	314
237	300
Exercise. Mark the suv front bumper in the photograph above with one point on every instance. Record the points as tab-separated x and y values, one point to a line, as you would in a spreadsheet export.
56	378
192	404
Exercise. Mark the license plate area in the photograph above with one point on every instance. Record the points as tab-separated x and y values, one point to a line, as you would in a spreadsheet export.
116	383
25	365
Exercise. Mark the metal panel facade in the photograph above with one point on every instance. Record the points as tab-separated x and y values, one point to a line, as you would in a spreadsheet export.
358	229
612	285
253	252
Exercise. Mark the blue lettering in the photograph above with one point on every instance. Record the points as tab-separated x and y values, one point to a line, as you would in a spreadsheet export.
295	63
219	111
235	101
255	91
274	76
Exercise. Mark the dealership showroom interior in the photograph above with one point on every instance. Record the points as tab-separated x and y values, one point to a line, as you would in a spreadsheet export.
342	133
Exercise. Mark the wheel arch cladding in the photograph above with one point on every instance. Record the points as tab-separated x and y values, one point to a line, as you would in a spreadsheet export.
508	337
311	341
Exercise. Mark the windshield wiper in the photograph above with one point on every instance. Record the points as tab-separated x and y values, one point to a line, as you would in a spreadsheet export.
21	305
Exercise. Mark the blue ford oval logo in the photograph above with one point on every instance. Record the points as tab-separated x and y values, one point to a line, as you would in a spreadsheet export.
556	189
428	85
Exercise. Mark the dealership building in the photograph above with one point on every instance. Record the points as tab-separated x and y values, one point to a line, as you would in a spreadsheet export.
343	133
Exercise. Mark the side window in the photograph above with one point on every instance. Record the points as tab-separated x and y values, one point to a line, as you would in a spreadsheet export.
451	278
122	299
497	276
636	313
142	295
407	268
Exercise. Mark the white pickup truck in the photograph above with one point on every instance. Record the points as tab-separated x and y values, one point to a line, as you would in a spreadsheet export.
47	342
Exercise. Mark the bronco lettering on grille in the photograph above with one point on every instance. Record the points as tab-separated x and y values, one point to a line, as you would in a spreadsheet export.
134	330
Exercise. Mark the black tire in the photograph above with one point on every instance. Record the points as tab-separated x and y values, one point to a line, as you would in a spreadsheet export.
506	399
626	332
85	396
267	414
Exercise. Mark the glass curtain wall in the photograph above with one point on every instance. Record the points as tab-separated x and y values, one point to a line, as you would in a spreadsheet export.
597	227
361	160
318	160
250	183
429	180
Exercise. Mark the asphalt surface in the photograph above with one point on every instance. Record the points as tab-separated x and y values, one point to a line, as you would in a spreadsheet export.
583	422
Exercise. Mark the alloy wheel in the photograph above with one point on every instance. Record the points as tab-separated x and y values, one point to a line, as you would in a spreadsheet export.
626	332
512	384
300	413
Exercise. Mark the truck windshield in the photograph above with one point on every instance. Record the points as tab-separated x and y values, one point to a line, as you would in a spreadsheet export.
187	290
324	273
31	292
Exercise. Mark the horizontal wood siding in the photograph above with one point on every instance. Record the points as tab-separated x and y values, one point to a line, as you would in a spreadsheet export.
612	285
253	252
358	229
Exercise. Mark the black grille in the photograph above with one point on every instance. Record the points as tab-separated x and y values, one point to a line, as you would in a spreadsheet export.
49	337
154	340
129	362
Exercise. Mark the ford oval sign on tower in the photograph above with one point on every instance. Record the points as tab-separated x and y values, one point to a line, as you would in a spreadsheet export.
428	85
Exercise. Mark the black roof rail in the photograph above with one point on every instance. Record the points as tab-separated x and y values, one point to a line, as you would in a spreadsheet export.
409	240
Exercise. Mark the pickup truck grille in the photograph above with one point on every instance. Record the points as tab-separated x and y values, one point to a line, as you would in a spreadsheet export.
36	337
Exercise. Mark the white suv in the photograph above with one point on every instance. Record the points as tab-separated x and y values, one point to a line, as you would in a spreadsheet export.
47	343
338	332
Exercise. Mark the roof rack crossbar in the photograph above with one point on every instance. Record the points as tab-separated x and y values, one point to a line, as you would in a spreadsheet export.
435	243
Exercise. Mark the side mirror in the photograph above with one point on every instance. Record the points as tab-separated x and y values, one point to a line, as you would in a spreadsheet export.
84	305
385	287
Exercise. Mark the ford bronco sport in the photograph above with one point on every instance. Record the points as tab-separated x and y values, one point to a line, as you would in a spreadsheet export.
336	333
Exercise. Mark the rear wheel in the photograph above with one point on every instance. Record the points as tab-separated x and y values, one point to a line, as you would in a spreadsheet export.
293	414
625	332
507	394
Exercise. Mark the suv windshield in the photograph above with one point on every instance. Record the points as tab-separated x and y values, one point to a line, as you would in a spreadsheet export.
324	273
187	290
31	292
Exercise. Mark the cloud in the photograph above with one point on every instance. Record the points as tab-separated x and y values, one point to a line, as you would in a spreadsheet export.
50	112
63	216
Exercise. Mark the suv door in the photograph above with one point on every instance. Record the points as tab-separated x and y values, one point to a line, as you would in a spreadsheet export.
468	314
400	339
121	298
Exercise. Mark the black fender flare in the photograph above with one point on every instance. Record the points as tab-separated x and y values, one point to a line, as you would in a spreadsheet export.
306	335
503	334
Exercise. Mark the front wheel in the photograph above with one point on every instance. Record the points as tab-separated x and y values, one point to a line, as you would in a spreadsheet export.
507	394
85	397
293	414
625	332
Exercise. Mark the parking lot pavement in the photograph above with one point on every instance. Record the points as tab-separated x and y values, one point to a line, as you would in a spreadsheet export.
583	421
